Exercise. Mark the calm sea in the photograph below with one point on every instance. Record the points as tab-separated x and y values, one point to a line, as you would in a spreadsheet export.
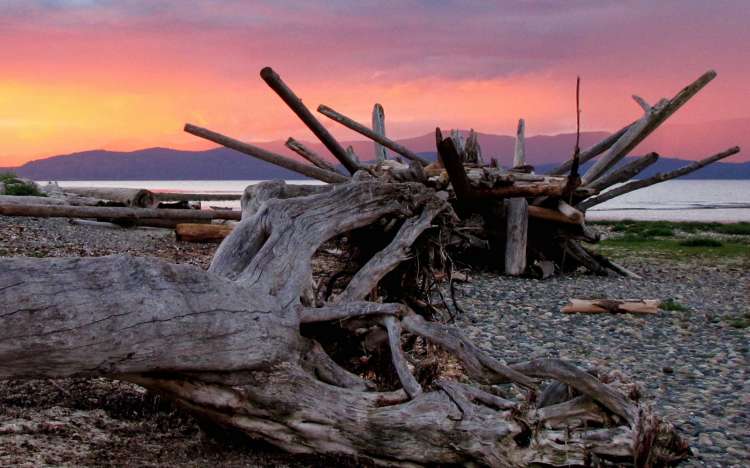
675	200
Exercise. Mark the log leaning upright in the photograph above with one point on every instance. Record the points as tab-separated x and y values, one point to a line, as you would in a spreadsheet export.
517	215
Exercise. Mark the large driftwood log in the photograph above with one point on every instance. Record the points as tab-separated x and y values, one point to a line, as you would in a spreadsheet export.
378	126
135	214
228	344
192	232
309	154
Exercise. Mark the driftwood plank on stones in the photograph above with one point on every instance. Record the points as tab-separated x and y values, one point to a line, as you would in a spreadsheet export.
613	306
191	232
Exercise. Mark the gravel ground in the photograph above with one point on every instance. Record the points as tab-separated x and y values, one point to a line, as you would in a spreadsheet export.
693	363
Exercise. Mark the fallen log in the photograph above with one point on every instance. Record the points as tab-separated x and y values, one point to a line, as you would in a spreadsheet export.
612	306
554	215
309	154
661	177
274	81
129	197
189	232
102	212
644	127
369	133
265	155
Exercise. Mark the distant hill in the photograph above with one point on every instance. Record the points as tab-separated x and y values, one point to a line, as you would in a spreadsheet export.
224	164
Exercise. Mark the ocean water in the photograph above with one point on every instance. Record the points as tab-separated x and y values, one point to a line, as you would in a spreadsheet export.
675	200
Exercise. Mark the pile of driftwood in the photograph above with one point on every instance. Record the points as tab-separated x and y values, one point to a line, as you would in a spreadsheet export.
352	357
518	221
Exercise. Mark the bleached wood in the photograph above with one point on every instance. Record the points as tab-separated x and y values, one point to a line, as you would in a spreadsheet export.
599	306
69	211
592	152
309	154
274	81
378	126
519	152
517	224
369	133
135	198
642	103
644	127
189	232
624	173
661	177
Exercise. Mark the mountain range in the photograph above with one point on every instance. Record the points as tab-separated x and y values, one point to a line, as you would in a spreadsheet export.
542	151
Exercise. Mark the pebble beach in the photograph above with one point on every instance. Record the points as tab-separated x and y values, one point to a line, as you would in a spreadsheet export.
692	363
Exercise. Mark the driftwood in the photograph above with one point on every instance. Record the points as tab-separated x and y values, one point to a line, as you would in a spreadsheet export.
274	81
637	132
369	133
184	196
624	173
592	152
378	126
309	154
265	155
190	232
118	213
134	198
236	346
661	177
613	306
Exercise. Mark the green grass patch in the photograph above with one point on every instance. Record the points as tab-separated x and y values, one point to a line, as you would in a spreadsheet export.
629	245
658	232
700	242
641	227
740	321
17	187
671	304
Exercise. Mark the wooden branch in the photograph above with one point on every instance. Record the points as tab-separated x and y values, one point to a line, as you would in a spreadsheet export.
309	154
378	126
519	152
265	155
643	127
548	187
516	228
189	232
408	382
369	133
550	215
661	177
592	152
624	173
612	306
298	107
642	103
448	153
69	211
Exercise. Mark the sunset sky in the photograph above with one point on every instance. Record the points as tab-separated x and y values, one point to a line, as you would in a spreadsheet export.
124	75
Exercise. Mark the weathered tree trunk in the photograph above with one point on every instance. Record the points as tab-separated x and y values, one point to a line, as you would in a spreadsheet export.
517	222
228	344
